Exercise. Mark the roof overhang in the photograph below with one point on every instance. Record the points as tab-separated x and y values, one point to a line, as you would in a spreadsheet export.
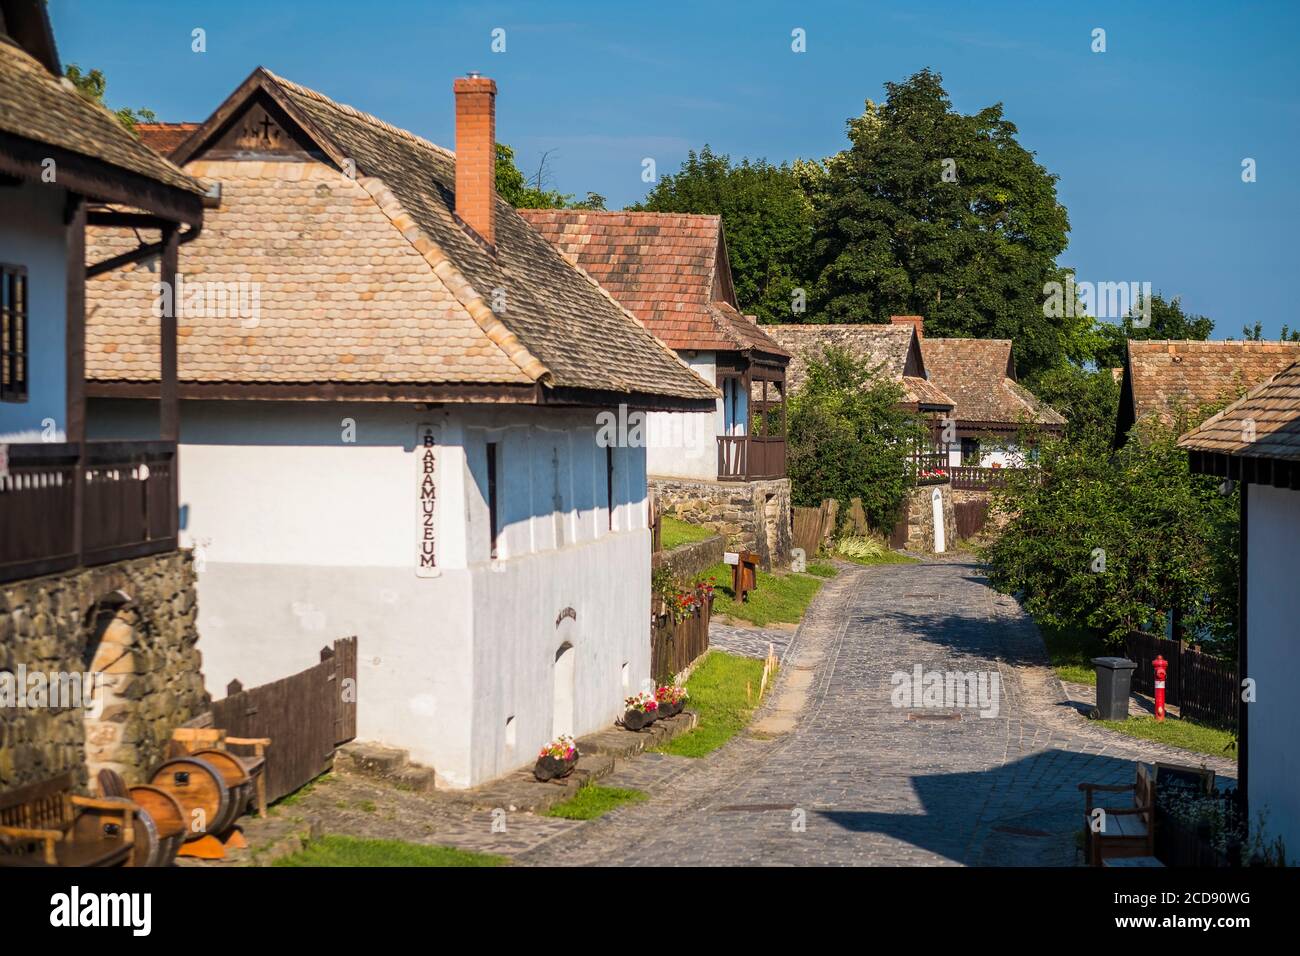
1277	472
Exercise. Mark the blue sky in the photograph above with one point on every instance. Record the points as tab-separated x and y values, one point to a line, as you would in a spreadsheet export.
1147	138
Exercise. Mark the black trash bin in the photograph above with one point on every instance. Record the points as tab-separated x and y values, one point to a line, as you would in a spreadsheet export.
1114	677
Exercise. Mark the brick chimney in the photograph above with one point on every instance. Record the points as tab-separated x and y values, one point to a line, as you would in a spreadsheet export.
916	321
476	155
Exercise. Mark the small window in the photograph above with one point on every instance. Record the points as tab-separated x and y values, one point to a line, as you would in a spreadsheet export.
492	494
13	334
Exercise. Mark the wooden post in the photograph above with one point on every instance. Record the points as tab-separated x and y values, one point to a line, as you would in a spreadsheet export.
75	365
170	410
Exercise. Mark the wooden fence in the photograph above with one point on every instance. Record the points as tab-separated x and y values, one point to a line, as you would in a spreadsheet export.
814	526
971	517
1200	686
970	478
306	716
673	645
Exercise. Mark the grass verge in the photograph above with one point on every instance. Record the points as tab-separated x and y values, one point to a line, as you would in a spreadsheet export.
717	689
1071	650
350	851
593	801
673	533
780	598
1172	732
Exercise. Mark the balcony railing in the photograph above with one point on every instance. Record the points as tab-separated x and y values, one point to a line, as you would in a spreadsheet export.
930	468
127	505
750	457
970	478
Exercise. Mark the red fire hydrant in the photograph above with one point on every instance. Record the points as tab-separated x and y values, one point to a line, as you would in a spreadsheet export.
1162	668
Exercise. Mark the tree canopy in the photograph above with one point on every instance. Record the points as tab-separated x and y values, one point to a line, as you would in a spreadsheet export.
767	220
516	189
93	85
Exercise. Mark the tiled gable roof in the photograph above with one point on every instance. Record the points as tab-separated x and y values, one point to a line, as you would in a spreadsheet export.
164	137
664	267
1163	376
1264	423
38	106
979	375
889	348
532	316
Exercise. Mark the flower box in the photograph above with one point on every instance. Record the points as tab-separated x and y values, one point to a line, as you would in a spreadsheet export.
641	711
556	760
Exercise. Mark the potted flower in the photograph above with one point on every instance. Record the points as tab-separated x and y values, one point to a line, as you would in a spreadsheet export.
641	711
671	700
557	759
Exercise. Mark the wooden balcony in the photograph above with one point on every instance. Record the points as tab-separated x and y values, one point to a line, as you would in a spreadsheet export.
751	457
969	478
930	468
72	505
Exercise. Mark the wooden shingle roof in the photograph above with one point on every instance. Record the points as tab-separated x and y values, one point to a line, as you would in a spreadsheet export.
669	269
371	278
1264	423
893	350
164	137
43	109
981	378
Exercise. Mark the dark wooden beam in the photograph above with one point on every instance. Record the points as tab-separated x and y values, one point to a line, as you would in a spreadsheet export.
75	360
170	416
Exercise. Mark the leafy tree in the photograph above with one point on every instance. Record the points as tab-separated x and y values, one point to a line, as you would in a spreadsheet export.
1087	397
514	188
1118	542
92	86
935	213
1256	334
767	218
1167	321
849	438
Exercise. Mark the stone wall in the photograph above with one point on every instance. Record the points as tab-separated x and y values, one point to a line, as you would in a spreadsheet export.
131	626
750	515
688	560
920	518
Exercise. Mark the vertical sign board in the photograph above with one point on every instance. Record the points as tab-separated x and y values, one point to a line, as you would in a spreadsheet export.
426	451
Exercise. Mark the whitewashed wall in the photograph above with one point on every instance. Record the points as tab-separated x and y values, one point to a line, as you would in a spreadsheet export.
302	537
685	444
1273	659
32	234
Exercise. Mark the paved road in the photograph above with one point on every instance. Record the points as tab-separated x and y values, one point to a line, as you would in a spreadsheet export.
855	780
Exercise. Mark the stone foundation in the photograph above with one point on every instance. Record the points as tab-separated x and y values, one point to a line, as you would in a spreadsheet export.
131	625
920	518
750	515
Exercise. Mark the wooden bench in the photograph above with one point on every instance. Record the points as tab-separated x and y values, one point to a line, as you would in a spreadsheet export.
1126	831
46	824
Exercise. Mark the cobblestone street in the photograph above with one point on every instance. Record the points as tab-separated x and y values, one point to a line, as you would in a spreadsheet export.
858	781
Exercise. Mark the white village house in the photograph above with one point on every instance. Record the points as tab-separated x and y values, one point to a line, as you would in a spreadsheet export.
1256	441
391	430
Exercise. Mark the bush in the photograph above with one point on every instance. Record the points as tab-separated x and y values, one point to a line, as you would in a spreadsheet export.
849	438
1118	541
860	548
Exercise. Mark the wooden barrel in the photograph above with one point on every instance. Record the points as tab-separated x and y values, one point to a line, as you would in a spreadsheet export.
93	824
168	819
236	777
197	786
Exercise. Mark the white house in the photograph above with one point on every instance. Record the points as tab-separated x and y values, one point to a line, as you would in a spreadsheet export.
1256	442
391	389
672	271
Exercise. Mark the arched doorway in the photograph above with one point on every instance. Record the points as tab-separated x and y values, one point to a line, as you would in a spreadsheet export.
110	661
562	720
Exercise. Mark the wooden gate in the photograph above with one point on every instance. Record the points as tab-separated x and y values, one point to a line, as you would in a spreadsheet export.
971	517
306	716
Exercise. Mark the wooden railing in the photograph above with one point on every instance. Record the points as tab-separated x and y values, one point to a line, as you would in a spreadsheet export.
929	468
970	478
127	505
750	457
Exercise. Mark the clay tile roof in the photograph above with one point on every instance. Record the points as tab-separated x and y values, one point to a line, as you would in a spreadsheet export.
373	280
669	269
37	106
162	138
979	375
1164	375
1264	423
892	349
